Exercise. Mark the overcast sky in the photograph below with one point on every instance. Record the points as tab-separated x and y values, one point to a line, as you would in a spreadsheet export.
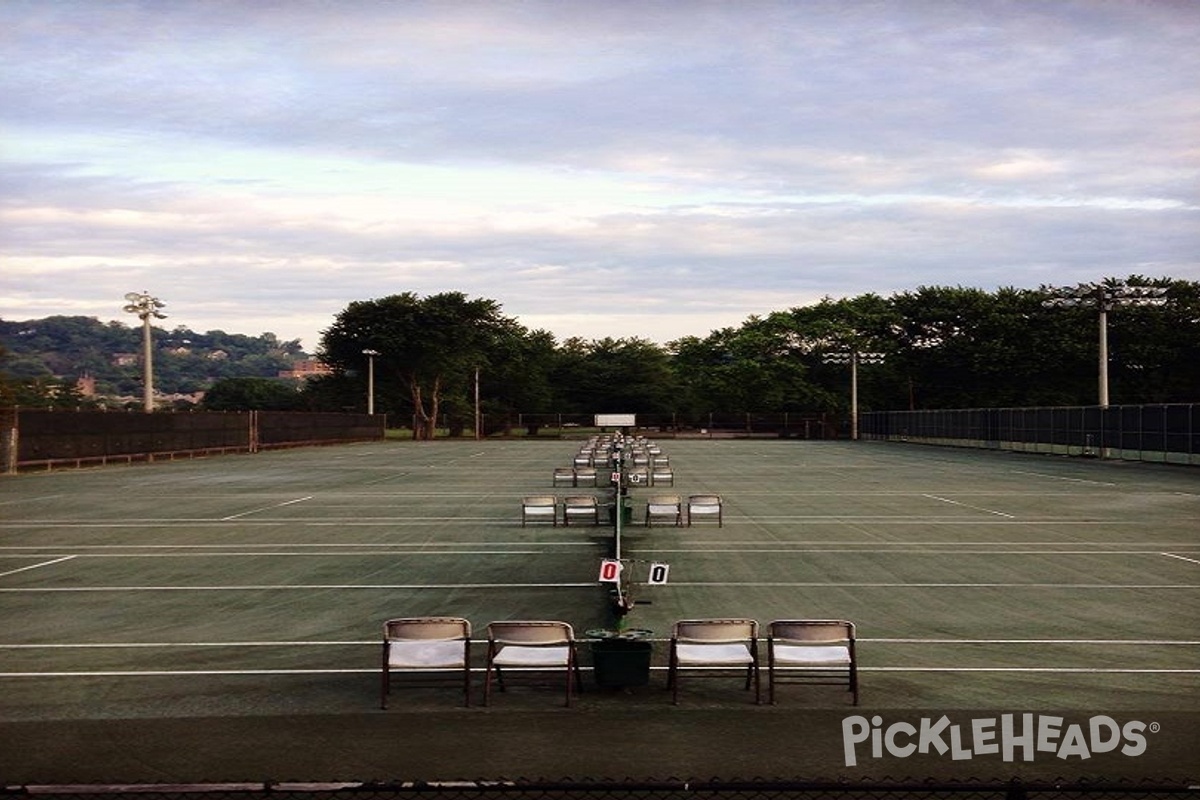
599	167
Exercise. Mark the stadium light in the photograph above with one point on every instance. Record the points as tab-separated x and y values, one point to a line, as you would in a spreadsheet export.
146	308
370	354
1105	297
853	358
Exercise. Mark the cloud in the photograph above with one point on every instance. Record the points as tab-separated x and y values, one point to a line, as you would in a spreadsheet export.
624	168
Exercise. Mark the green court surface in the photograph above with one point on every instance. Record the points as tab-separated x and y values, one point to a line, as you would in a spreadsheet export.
219	619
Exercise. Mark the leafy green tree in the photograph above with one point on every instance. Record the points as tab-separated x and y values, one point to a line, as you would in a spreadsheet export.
252	394
429	348
615	375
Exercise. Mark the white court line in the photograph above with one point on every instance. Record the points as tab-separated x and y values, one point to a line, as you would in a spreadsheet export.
1061	478
396	522
708	547
323	554
307	587
1088	670
378	545
375	671
155	645
813	584
375	643
723	584
266	508
968	505
1106	642
921	551
1181	558
37	566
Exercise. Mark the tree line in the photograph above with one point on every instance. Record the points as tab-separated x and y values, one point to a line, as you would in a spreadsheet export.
42	359
938	347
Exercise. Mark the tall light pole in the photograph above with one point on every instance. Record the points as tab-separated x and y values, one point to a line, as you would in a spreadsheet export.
370	354
147	308
478	417
1105	297
853	358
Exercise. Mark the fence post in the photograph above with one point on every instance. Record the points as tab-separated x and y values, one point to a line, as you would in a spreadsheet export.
10	440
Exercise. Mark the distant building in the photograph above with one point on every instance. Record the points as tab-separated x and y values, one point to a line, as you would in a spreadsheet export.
86	385
308	368
124	359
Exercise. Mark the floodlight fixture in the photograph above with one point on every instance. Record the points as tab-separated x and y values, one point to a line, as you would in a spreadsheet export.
1105	297
146	308
853	358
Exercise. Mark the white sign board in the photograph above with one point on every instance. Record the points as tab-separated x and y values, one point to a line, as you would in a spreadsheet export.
610	570
616	420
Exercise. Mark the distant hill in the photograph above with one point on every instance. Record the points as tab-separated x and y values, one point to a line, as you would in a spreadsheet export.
185	361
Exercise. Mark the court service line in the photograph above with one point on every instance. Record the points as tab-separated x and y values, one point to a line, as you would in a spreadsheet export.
375	671
376	642
589	585
1181	558
708	547
968	505
1061	478
266	508
307	587
866	550
37	566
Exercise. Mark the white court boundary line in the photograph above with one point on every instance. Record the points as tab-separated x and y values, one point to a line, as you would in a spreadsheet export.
375	671
968	505
376	643
38	566
301	587
266	508
589	585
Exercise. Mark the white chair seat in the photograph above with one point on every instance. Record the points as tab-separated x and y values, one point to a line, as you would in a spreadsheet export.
425	655
809	656
714	654
517	656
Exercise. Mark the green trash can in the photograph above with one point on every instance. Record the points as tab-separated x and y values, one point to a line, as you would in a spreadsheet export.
619	661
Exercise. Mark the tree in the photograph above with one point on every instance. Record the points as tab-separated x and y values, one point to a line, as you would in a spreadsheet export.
428	347
252	394
616	375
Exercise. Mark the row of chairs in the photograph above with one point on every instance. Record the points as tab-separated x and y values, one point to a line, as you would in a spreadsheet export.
798	650
587	476
659	508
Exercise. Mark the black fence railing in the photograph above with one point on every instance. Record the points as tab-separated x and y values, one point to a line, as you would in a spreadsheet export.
32	439
1159	433
800	425
629	790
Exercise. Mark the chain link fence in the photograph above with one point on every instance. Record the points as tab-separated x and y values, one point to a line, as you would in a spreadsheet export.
1157	433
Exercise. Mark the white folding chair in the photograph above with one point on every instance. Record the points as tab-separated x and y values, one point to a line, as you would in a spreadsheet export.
664	507
426	645
704	505
714	646
584	507
536	645
539	507
811	651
